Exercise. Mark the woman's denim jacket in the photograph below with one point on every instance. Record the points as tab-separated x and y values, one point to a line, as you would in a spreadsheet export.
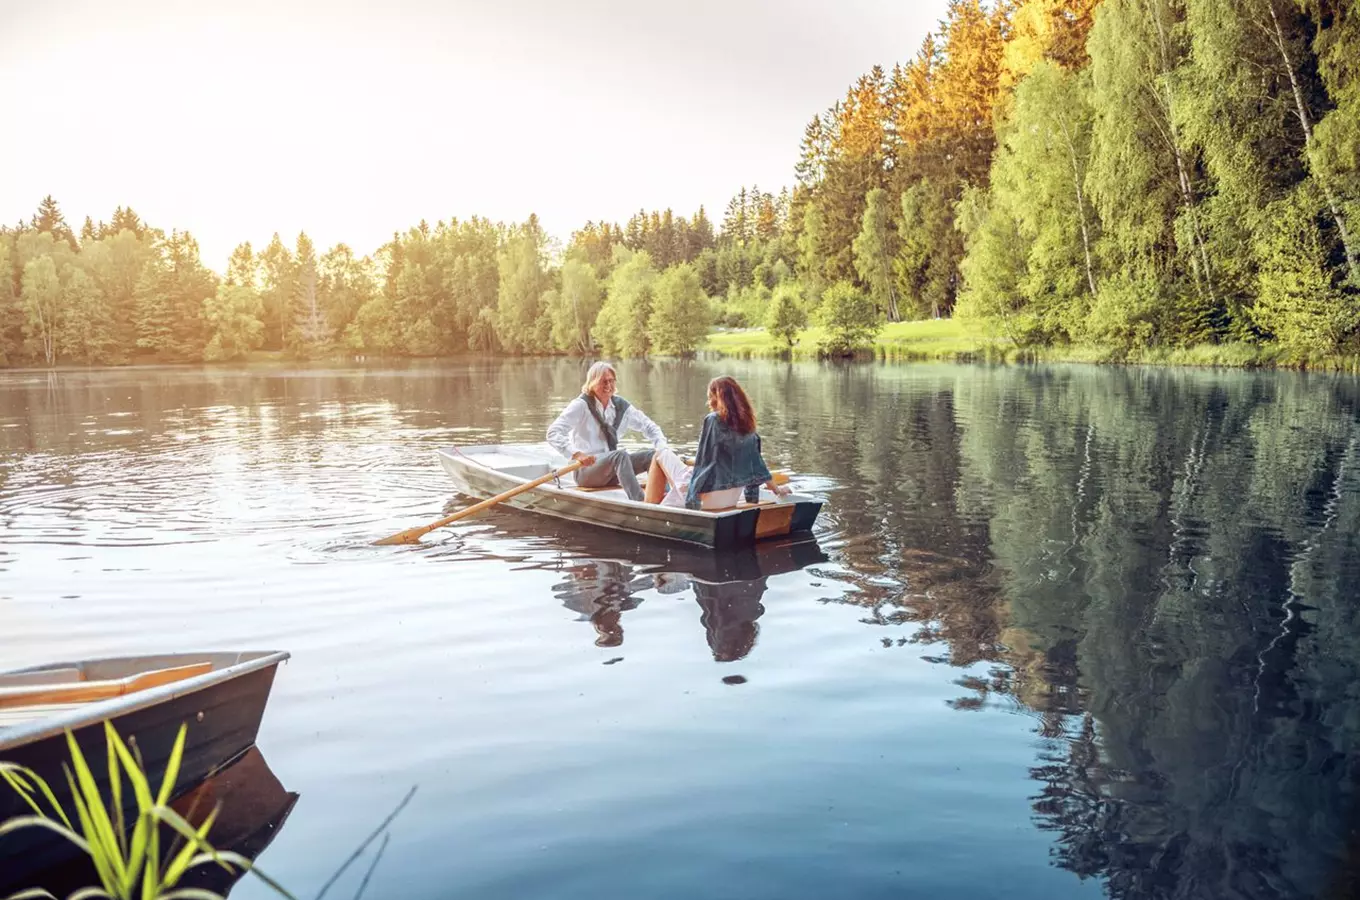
726	459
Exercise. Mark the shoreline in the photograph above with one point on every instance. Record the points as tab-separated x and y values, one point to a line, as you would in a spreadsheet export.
930	340
946	340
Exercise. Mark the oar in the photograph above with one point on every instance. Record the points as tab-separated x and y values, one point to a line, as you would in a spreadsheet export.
413	535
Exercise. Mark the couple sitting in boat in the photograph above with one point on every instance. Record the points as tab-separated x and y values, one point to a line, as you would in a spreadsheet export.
727	465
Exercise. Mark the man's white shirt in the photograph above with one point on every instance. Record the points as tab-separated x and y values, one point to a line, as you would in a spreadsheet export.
576	431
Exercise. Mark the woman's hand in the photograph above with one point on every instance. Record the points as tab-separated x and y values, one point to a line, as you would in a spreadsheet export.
780	490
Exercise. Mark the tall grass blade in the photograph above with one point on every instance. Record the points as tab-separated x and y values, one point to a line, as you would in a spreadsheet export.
98	854
115	786
91	893
19	772
43	822
172	767
98	827
32	894
181	862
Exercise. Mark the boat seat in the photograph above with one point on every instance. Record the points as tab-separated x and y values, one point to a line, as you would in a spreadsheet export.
26	696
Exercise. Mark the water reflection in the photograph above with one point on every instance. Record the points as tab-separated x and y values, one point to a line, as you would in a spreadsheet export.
728	587
251	804
1157	569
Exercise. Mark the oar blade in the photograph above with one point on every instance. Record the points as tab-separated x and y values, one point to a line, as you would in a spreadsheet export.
409	536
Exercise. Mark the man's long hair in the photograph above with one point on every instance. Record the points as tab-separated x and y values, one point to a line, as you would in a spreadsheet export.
729	401
594	374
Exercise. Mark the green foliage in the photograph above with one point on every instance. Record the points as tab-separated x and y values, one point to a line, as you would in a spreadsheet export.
234	316
520	323
574	308
680	316
874	250
128	856
1298	303
278	278
84	329
310	332
11	313
1027	271
1125	312
929	246
621	329
849	318
787	316
168	301
42	297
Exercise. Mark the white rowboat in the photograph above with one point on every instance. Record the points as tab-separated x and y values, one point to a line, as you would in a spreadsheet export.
487	470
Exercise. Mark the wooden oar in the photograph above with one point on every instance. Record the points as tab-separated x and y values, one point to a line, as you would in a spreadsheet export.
90	691
413	535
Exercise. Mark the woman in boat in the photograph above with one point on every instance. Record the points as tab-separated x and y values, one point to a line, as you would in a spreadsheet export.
727	464
589	429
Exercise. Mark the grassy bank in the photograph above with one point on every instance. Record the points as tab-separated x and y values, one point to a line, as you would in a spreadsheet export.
932	339
947	340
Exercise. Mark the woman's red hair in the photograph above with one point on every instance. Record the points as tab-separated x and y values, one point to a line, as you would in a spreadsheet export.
729	401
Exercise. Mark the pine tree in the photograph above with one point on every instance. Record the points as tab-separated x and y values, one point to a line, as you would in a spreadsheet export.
278	277
310	332
83	331
126	219
242	267
49	220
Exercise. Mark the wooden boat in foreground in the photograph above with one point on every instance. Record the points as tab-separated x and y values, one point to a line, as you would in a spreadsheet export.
486	470
220	697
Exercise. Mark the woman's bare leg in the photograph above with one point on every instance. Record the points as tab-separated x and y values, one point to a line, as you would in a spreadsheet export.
656	483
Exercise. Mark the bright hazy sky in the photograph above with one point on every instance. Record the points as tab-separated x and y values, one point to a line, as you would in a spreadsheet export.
238	118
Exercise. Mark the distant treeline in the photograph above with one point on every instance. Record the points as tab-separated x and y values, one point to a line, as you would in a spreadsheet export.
1129	174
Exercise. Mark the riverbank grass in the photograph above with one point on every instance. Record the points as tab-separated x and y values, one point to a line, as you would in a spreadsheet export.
948	340
930	339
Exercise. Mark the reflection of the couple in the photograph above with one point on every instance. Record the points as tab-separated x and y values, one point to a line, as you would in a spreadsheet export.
729	587
251	806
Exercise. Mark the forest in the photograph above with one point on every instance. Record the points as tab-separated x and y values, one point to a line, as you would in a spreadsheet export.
1124	174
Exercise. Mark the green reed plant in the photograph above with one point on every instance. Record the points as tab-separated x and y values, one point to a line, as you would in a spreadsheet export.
129	861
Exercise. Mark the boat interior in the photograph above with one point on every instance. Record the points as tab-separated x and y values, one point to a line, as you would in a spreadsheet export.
30	694
538	460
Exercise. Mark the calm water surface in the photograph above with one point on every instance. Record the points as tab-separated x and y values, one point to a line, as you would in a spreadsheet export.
1063	632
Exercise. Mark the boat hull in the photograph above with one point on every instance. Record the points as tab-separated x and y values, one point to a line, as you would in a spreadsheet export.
739	527
222	717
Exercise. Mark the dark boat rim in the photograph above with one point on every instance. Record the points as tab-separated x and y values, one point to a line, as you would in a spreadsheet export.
97	711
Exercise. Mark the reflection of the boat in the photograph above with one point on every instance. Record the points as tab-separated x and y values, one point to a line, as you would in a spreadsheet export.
252	806
604	579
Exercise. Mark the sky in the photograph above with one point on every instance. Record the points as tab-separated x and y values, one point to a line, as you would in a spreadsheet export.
350	120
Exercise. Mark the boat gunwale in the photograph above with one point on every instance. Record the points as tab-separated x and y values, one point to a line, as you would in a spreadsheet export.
92	713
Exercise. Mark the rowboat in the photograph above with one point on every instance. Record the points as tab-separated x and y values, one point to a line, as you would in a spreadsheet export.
483	471
250	804
219	696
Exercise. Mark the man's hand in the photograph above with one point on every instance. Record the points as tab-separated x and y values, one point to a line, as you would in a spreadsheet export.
586	459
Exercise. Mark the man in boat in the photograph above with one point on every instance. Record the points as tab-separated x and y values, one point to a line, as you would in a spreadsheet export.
589	429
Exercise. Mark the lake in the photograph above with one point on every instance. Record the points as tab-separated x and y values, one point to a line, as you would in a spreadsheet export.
1064	632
